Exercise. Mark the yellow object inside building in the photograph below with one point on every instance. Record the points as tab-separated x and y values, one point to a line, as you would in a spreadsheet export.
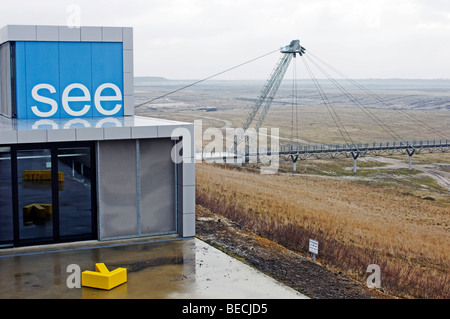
40	175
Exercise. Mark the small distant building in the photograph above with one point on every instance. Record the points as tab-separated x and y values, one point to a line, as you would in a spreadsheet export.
75	162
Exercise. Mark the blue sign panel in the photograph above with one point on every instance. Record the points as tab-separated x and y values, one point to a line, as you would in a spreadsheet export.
69	79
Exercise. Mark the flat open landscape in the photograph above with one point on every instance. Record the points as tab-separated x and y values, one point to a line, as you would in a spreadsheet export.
384	214
413	110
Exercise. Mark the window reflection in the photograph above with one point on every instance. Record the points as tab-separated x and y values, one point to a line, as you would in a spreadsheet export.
6	219
35	194
75	211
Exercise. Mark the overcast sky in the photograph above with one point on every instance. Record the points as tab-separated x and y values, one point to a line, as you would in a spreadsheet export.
192	39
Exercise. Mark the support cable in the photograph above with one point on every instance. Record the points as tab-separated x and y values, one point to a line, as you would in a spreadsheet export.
296	99
207	78
293	103
337	121
379	99
378	121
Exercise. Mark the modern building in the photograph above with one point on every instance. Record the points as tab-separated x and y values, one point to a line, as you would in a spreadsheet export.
75	162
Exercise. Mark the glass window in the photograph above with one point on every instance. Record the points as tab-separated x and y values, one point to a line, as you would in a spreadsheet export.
74	183
6	211
35	194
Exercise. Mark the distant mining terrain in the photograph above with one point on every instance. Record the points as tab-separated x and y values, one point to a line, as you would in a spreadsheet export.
409	107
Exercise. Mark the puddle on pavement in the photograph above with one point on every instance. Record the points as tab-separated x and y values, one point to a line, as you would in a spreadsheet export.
187	268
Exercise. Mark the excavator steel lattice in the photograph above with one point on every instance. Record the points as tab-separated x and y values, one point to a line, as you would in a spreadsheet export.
259	111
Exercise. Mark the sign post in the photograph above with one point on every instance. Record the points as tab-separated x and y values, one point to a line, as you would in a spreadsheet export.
313	248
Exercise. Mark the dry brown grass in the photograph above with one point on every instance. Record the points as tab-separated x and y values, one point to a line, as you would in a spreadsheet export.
356	224
316	125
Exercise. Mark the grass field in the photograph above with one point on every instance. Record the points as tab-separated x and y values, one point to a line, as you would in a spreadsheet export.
356	223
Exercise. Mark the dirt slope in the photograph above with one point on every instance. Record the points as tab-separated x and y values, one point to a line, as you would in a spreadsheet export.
278	262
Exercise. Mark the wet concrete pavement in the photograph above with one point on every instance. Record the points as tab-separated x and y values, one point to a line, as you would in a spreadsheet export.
169	269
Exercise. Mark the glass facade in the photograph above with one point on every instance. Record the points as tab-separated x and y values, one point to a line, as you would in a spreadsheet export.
75	202
55	192
48	193
6	211
34	186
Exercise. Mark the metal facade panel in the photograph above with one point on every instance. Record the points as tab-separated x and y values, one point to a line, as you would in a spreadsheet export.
117	189
91	34
128	62
61	135
46	33
31	136
81	69
20	33
128	82
157	186
127	38
112	34
21	86
117	133
69	34
128	101
74	64
3	79
75	67
139	132
103	56
41	67
188	225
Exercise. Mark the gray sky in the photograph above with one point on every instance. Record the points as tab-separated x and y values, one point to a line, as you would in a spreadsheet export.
192	39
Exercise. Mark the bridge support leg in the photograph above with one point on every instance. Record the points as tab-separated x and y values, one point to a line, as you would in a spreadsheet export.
355	156
410	152
294	162
246	152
